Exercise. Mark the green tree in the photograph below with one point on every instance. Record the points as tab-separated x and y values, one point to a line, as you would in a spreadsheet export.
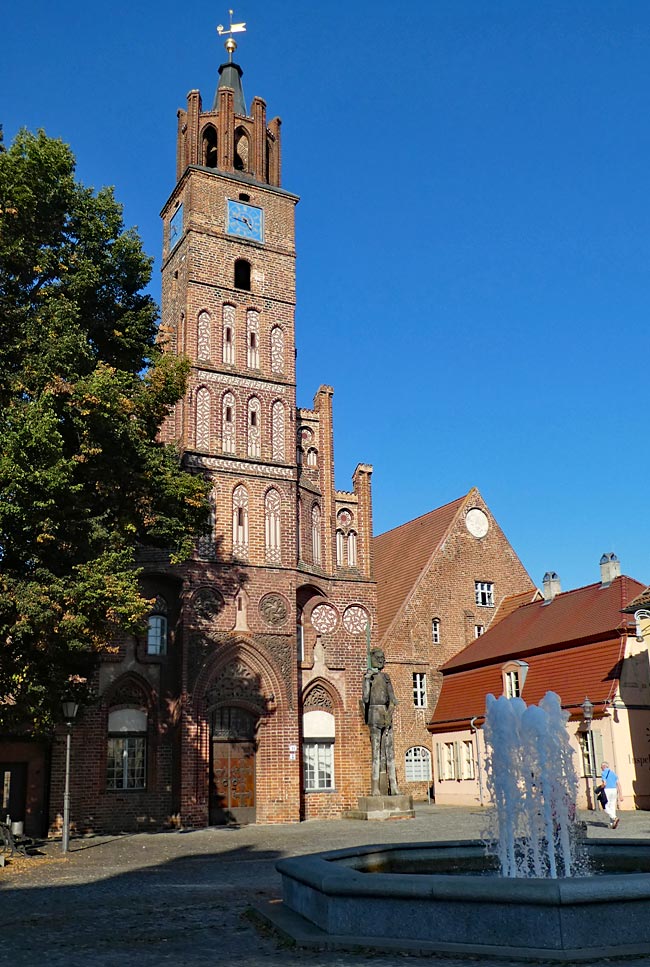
84	480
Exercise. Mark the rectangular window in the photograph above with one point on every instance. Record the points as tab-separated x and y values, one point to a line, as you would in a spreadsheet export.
126	762
512	684
468	760
478	630
435	631
419	689
484	593
157	635
591	746
449	761
318	762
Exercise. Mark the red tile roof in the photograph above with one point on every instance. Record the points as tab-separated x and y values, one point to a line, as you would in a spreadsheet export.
401	555
586	613
572	672
641	601
514	601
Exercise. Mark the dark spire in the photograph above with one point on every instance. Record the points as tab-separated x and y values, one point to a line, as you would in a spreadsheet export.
230	75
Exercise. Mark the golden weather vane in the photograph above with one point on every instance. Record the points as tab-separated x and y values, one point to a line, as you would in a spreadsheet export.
240	28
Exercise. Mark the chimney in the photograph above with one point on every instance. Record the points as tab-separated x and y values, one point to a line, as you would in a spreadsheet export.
610	568
551	585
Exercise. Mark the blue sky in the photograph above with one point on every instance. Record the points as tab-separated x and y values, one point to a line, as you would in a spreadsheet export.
473	235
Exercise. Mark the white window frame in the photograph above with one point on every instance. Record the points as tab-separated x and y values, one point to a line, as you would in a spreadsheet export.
468	759
419	689
318	765
417	764
435	631
484	593
157	634
479	630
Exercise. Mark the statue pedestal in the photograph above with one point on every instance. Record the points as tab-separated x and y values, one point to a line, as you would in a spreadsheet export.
382	807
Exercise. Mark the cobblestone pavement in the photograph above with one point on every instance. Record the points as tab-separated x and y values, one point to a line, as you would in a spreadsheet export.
185	897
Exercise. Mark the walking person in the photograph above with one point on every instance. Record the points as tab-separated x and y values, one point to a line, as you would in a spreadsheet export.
609	782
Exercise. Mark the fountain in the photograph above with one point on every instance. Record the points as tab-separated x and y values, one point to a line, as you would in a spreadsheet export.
527	895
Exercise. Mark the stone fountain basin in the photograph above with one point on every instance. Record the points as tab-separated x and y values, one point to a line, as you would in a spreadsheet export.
422	897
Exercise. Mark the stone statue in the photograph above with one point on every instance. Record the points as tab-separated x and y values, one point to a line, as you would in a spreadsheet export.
378	704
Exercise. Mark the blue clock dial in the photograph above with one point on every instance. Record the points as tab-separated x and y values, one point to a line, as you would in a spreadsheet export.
245	221
176	227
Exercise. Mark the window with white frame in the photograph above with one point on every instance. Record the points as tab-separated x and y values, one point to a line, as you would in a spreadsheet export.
315	534
484	593
511	679
240	523
514	676
591	747
418	764
449	760
318	750
352	549
468	759
419	689
157	628
253	338
478	630
229	334
126	758
435	631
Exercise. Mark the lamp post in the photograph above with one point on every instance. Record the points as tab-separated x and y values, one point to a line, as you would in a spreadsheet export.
70	709
587	716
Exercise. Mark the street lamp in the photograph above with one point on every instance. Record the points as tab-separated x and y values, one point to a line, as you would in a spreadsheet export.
587	712
70	709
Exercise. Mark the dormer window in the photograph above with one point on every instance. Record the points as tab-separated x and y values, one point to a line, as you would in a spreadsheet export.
514	677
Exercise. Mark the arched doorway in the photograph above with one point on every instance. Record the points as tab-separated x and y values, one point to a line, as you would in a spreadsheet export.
232	769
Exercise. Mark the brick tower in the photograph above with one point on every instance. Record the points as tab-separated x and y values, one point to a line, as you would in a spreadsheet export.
268	624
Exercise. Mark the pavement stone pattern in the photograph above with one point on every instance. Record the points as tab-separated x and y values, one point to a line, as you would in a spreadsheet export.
185	897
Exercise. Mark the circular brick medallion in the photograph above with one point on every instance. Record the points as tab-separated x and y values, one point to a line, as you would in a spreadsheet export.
274	609
207	604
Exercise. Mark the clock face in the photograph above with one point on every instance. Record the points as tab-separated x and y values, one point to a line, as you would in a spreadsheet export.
477	522
245	221
176	227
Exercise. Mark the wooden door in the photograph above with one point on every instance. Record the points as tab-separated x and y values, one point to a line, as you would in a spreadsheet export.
233	782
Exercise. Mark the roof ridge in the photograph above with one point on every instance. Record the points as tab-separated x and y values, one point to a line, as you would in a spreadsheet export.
422	516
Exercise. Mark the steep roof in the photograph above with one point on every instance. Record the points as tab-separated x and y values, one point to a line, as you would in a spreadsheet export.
514	601
401	554
572	672
592	612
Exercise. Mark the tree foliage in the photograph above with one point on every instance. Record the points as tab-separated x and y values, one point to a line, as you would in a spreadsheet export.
84	480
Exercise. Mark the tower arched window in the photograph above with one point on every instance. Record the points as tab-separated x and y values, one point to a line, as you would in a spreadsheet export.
157	628
277	431
240	523
272	523
253	338
254	428
209	155
203	419
203	340
315	534
312	457
228	423
352	549
228	334
339	548
242	150
277	350
242	274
